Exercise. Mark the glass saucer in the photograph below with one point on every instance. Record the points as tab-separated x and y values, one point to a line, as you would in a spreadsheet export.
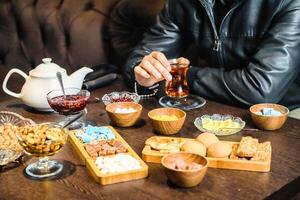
187	103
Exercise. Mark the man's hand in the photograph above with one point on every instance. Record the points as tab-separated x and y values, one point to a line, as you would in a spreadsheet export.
154	68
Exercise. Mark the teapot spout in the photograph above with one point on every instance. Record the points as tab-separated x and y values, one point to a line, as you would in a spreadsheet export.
78	76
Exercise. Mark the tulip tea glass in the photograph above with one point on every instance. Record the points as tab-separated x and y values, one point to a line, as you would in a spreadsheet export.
177	90
70	104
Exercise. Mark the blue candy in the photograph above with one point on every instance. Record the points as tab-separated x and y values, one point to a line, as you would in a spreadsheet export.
94	133
269	112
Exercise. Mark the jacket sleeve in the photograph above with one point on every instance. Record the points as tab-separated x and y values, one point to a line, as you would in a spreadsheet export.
163	37
269	72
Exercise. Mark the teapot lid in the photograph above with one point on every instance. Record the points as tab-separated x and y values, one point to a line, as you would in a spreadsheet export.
47	69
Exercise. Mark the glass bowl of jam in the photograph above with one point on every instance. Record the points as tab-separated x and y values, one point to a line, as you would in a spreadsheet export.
72	103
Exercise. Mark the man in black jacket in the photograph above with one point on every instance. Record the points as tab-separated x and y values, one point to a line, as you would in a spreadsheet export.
248	51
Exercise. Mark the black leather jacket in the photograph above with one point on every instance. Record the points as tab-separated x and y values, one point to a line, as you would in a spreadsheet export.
253	57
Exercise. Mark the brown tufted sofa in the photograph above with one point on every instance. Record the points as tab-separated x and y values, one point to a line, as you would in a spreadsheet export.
74	33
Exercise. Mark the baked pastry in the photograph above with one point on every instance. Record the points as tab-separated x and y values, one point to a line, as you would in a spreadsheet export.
248	147
233	154
193	146
165	145
219	150
207	139
263	151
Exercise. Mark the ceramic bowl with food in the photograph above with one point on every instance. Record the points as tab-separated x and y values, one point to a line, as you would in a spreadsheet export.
167	121
124	114
269	121
124	96
185	169
10	149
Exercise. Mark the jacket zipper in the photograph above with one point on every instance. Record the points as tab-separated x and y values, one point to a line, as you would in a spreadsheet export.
217	41
208	9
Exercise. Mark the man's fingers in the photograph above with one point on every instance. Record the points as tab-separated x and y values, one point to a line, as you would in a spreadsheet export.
157	67
162	59
146	65
166	75
138	70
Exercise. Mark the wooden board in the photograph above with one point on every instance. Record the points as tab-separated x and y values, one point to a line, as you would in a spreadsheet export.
154	156
105	179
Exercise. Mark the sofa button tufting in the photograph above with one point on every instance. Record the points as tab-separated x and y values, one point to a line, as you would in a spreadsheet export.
89	5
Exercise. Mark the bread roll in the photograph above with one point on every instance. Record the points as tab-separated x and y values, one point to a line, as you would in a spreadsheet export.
219	150
207	139
192	146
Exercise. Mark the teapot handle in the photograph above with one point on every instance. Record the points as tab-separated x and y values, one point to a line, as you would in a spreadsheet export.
4	85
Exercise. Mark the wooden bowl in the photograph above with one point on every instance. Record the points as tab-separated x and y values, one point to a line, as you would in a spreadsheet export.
123	119
268	123
167	127
184	178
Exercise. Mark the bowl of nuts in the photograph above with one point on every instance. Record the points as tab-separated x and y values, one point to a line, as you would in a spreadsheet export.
42	140
10	149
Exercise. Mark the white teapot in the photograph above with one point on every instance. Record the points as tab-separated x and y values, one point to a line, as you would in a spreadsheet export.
41	81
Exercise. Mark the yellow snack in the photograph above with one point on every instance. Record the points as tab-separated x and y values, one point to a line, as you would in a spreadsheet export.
165	117
214	125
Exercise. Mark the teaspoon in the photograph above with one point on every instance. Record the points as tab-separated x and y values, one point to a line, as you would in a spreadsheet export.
59	77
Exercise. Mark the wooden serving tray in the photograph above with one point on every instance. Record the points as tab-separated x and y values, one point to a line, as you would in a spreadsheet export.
105	179
153	156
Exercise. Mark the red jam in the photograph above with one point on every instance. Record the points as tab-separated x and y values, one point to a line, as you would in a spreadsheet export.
122	99
71	104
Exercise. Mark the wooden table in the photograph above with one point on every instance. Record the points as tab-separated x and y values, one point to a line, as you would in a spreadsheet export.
76	182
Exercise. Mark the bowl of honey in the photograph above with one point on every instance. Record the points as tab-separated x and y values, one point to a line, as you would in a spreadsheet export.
167	121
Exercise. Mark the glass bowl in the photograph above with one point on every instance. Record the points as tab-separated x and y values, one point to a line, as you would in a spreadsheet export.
220	125
10	154
120	97
73	103
41	141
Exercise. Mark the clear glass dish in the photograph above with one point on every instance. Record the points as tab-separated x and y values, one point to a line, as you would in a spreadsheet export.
120	97
220	125
190	102
73	103
41	141
9	155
